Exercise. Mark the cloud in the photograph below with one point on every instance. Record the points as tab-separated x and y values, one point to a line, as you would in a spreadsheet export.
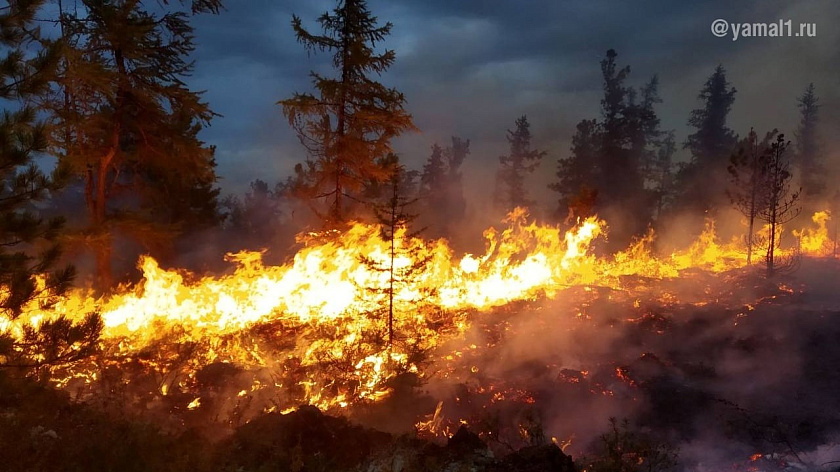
470	68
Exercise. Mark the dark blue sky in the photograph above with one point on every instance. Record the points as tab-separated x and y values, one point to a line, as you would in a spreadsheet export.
469	68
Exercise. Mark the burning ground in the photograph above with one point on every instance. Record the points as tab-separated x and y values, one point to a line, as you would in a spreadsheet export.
541	339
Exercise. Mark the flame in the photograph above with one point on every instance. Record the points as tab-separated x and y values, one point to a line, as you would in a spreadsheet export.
324	307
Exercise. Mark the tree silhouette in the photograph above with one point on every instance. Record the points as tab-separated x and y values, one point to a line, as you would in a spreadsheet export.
782	203
748	175
441	186
347	128
807	162
577	174
515	166
660	173
394	218
711	145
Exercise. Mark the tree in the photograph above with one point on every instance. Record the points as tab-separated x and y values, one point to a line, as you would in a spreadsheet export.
257	216
621	179
347	128
660	173
29	251
710	145
441	185
811	170
128	125
781	203
514	167
28	242
394	218
748	177
577	173
623	142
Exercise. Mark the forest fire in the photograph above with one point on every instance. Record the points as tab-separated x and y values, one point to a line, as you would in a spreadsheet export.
323	305
508	253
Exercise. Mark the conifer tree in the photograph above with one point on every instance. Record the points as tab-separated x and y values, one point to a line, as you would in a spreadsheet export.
748	175
661	173
28	242
515	166
807	161
577	174
782	202
128	125
441	185
394	218
348	126
711	145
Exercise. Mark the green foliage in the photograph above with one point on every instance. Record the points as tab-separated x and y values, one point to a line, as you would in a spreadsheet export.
347	128
625	450
28	242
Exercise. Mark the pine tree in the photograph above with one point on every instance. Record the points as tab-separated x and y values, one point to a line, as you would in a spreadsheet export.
782	204
348	127
711	145
394	218
128	125
811	170
577	174
515	166
23	232
28	242
748	175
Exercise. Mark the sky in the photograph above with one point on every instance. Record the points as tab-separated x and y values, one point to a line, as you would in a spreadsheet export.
469	68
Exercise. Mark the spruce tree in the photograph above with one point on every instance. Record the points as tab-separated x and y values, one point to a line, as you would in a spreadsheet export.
711	145
442	188
128	125
348	126
393	213
515	166
577	174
